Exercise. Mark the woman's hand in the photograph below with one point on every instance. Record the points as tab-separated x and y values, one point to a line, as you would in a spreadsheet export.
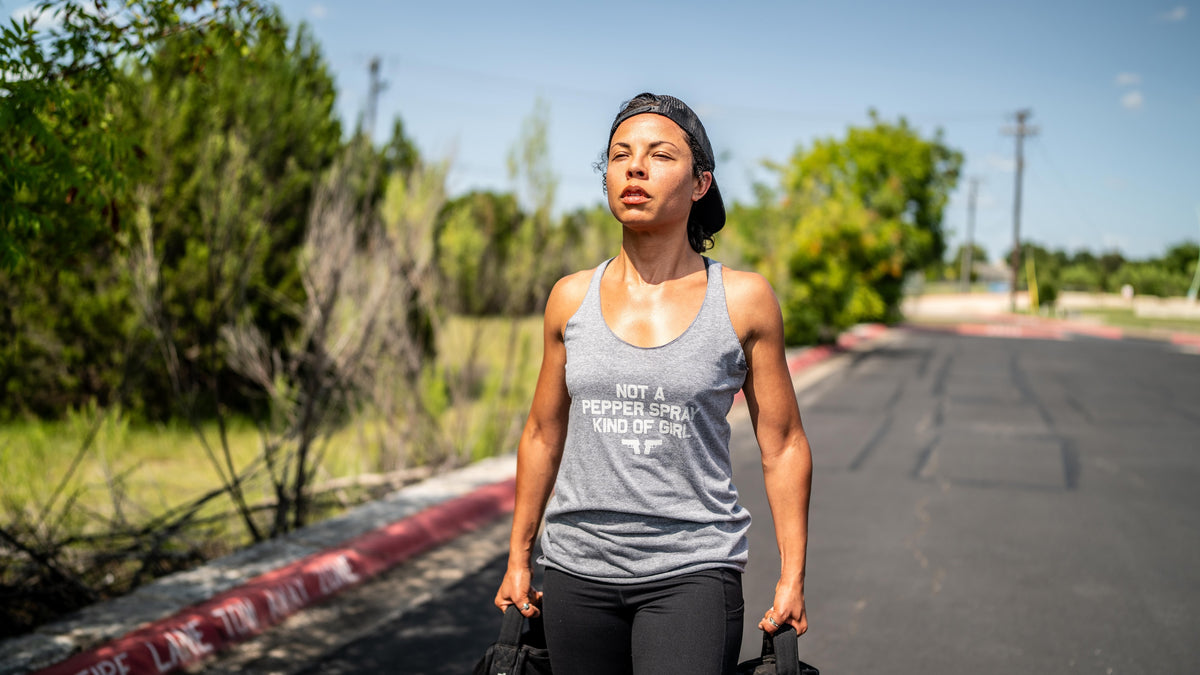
788	608
517	589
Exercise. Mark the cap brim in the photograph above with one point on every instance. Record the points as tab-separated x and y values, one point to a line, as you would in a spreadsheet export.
709	210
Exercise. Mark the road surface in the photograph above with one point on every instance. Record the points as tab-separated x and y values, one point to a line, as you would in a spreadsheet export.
981	505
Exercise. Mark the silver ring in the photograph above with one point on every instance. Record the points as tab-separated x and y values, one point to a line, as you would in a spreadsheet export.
525	607
772	622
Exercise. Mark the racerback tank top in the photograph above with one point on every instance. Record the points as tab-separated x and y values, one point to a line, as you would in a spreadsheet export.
645	488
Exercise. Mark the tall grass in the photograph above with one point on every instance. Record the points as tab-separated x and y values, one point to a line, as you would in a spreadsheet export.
132	472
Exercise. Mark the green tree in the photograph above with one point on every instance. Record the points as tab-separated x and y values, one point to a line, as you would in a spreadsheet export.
1047	268
851	218
1109	263
71	158
500	253
1169	275
475	235
1181	258
232	156
590	235
954	262
889	169
1079	276
65	162
1150	278
844	263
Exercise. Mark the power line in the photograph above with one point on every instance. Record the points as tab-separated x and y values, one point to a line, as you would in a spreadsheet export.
1082	215
482	77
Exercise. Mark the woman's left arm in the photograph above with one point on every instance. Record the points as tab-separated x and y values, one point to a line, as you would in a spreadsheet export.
786	457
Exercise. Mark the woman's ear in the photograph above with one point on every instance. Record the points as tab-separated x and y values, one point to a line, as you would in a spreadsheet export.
702	185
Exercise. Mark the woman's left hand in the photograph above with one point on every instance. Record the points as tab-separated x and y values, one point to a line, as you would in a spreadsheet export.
788	608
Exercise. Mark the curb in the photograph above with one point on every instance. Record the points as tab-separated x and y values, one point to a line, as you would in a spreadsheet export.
184	618
811	356
1017	326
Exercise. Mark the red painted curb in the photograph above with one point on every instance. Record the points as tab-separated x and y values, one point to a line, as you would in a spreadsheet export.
814	355
1185	339
237	614
1008	331
1107	332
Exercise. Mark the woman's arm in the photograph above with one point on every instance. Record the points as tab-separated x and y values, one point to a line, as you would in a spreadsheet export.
786	457
540	449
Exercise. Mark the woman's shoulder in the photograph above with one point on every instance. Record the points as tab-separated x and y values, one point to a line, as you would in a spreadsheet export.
753	307
567	295
742	287
572	287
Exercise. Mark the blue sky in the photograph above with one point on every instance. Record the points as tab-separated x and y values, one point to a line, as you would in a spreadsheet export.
1114	87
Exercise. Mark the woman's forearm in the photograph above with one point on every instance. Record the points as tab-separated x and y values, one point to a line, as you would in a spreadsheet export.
537	468
787	474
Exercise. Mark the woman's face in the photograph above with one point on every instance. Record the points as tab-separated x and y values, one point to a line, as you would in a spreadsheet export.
649	174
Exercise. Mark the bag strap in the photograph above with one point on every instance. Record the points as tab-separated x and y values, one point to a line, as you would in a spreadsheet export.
511	625
783	650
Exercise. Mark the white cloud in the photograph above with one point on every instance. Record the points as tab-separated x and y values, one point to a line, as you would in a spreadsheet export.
1128	79
1133	100
1173	15
318	11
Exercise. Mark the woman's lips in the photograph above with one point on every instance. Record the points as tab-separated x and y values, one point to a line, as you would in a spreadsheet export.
634	195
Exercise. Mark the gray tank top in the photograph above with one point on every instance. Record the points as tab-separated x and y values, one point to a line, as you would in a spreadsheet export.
645	487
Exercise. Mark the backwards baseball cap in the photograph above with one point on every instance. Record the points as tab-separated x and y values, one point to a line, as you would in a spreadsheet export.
708	213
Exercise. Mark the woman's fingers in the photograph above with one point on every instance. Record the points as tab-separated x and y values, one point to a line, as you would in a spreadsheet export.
527	601
531	604
772	621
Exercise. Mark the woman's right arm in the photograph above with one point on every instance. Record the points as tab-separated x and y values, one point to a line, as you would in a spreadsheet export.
541	447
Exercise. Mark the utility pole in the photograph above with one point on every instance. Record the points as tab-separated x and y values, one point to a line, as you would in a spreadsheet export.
969	249
1020	131
373	90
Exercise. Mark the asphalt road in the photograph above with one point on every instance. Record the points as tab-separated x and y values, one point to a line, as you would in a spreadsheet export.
981	505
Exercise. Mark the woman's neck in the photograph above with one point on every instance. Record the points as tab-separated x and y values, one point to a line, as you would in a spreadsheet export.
651	258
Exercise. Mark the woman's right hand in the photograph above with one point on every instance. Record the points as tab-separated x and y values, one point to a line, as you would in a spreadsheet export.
517	589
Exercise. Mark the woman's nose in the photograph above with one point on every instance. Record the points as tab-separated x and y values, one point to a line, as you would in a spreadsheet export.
636	167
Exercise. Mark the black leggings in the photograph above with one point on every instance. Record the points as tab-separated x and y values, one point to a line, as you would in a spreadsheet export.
687	624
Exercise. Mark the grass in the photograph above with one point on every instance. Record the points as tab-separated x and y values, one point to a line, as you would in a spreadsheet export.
496	361
136	471
1126	318
128	472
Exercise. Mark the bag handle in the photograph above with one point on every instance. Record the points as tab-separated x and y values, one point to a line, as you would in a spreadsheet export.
511	625
782	647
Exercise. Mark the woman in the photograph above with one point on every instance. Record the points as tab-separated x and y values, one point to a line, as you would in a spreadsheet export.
645	542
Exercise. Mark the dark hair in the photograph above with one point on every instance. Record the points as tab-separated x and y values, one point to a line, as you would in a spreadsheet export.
698	237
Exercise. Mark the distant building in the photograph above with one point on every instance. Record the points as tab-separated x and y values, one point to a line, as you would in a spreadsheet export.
990	273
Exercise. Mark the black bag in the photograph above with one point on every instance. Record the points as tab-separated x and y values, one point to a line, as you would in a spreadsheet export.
516	653
780	656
